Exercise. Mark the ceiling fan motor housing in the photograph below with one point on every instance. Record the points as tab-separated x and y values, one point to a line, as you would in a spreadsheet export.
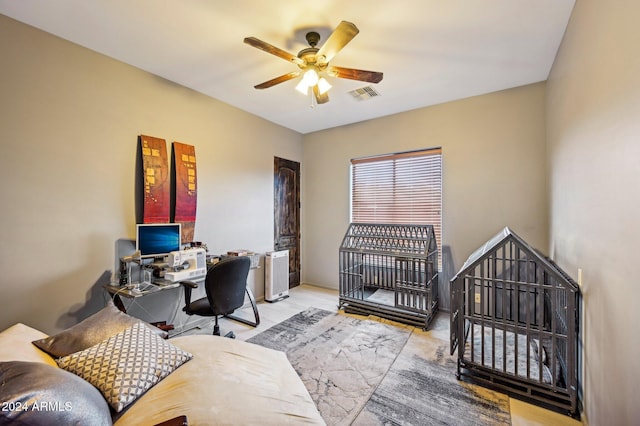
308	55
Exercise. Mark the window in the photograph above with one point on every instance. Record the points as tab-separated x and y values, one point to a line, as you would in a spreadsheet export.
402	188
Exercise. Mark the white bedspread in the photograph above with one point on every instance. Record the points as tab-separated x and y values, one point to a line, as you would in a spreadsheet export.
227	382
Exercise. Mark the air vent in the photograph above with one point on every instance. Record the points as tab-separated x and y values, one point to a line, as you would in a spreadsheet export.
364	93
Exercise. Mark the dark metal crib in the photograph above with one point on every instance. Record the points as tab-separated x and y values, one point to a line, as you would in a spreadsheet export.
390	271
514	322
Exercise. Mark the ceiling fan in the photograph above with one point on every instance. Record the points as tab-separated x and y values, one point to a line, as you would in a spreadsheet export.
314	62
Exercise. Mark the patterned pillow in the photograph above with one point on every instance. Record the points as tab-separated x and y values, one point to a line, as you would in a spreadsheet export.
126	365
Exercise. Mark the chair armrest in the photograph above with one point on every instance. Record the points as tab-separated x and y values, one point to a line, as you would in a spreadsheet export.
190	284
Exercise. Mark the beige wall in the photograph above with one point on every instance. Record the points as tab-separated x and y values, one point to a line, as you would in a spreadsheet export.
69	121
593	116
494	175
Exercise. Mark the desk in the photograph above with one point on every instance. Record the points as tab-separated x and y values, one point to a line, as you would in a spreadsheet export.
140	289
135	290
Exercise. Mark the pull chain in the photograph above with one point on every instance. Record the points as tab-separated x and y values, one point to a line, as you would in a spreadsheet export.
312	106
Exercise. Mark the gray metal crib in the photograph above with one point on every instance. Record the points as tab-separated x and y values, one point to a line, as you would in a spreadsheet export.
390	271
514	323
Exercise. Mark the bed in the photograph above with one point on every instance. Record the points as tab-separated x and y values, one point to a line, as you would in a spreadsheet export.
514	323
218	381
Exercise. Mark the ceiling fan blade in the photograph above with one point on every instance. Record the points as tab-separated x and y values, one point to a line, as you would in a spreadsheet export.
353	74
320	98
338	39
269	48
278	80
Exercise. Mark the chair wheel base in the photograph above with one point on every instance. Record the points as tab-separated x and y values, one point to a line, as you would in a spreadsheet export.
216	332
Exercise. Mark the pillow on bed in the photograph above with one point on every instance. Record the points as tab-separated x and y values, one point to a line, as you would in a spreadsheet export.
126	365
93	330
34	393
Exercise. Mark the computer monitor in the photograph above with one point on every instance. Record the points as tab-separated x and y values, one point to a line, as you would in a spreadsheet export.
158	239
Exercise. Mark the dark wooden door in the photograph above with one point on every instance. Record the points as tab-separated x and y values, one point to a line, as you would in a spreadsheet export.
286	189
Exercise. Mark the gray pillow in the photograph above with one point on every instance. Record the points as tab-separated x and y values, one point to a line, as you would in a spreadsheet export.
126	365
93	330
34	393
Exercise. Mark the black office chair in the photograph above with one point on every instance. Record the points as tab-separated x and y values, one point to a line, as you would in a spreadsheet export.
225	284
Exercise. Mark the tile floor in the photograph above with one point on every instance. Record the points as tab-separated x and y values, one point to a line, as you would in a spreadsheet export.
305	296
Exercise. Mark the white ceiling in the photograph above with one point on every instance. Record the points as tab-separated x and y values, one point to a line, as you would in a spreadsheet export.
430	51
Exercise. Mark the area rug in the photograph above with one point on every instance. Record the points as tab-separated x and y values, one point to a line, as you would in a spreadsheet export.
341	359
421	389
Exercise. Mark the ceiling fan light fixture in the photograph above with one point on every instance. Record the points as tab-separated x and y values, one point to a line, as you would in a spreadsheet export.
311	76
323	86
303	87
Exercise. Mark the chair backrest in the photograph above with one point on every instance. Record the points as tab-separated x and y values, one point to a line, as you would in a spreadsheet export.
226	284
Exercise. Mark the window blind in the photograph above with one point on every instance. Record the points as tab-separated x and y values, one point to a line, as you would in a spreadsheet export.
402	188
